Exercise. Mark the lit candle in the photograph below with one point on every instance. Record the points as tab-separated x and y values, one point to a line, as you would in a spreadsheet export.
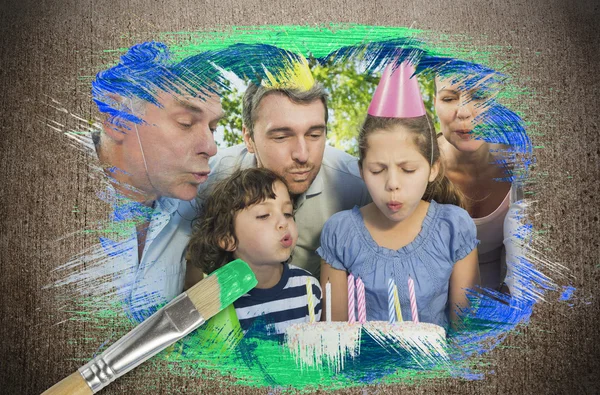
413	300
351	313
328	301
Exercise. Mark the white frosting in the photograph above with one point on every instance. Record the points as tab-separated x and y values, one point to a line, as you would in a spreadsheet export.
329	342
332	342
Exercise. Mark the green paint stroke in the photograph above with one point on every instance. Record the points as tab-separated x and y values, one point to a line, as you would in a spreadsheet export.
235	279
321	40
316	40
261	362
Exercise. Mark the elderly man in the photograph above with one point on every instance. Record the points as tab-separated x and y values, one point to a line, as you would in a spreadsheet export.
154	147
285	131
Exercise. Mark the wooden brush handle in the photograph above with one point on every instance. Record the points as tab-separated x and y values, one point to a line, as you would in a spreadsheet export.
72	385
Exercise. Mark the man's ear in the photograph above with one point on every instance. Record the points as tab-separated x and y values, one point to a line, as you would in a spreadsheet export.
227	243
117	131
435	170
114	132
248	139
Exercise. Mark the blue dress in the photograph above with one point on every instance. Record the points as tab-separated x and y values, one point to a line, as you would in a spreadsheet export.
447	235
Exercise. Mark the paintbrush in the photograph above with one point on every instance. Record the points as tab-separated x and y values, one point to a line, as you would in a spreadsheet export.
172	322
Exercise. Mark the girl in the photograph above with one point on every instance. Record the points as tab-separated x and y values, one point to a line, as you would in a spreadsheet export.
414	227
249	216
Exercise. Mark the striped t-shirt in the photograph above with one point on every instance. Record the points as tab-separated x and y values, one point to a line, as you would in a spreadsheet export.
280	306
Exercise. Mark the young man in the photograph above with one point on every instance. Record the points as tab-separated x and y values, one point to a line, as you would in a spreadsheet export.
285	131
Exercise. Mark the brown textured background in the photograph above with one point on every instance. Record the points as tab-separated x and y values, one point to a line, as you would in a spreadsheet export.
48	45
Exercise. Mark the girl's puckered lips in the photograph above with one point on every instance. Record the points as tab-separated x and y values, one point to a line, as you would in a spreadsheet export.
394	206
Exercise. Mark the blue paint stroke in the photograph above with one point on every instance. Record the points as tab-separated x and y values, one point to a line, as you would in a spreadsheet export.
567	293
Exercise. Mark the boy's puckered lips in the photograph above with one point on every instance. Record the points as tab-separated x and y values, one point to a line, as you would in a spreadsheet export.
286	240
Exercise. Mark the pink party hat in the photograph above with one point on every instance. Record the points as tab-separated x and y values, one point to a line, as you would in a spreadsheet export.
397	95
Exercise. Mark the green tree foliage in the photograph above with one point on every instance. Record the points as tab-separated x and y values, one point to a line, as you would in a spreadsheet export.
350	91
232	122
427	85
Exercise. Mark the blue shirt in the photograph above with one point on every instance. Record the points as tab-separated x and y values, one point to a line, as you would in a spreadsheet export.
112	271
447	235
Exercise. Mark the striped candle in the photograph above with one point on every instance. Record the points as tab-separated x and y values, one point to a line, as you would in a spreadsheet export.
351	313
413	300
309	295
397	304
360	295
391	312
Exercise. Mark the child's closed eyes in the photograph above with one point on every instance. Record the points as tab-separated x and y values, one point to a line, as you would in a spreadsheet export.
267	215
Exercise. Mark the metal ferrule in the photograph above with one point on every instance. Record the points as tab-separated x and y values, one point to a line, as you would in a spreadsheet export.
171	323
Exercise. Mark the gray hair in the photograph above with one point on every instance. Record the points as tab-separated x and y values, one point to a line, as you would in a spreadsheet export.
255	93
133	105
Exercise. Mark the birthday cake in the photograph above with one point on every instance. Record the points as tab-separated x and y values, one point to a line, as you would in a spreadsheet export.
323	342
330	343
315	343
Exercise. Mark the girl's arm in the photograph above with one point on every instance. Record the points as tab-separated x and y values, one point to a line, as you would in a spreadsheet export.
464	275
339	290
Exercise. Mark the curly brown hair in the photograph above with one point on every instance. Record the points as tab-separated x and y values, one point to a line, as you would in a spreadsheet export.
214	226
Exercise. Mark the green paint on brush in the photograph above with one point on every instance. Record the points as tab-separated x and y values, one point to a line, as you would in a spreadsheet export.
235	279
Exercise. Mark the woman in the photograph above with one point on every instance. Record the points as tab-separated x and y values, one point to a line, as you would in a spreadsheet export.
476	168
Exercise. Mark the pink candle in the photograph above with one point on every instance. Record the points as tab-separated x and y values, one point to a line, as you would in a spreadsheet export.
413	300
362	307
351	314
